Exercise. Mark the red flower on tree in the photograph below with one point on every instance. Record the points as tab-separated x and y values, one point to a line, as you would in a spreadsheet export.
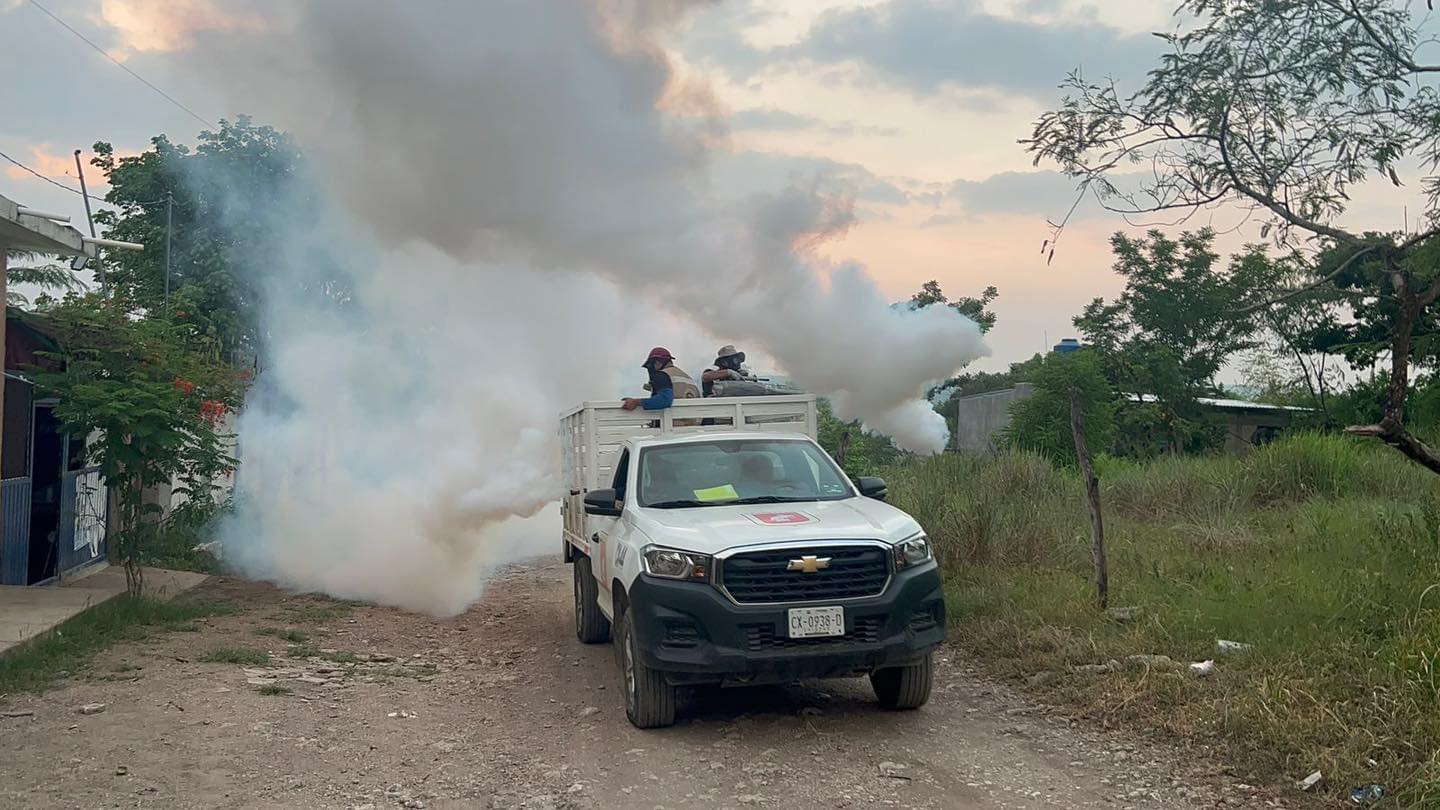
184	386
212	411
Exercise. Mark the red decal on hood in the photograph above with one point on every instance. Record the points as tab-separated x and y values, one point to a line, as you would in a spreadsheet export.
782	518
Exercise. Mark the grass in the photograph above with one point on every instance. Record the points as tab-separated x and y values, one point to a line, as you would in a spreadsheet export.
235	655
292	636
341	657
332	656
273	690
317	612
69	648
1321	552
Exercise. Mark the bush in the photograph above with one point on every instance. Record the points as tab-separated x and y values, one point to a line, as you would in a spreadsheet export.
1014	508
1041	423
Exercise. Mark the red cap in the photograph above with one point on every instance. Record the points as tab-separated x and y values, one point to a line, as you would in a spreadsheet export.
659	352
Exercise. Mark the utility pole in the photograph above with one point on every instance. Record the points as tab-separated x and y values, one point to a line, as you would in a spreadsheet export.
169	207
89	218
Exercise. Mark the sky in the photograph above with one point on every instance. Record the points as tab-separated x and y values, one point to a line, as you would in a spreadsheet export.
914	106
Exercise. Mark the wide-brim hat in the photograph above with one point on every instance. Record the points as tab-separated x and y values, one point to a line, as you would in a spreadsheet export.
728	351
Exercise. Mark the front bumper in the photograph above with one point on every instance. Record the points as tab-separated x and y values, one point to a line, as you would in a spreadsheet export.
695	635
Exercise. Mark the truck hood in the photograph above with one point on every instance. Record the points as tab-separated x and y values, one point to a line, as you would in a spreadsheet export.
713	529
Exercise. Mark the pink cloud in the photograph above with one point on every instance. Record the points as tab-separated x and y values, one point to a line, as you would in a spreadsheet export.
168	25
60	165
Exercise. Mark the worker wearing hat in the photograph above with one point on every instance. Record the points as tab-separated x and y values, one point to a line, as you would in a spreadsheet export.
667	383
728	366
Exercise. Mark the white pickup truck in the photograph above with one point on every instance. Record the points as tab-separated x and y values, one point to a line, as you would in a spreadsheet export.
724	546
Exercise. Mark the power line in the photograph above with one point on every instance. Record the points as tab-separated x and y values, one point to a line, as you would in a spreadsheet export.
121	65
94	199
39	175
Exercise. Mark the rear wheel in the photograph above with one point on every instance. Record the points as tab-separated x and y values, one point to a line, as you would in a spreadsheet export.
649	700
906	687
591	626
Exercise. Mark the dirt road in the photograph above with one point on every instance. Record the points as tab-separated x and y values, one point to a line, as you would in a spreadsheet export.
502	707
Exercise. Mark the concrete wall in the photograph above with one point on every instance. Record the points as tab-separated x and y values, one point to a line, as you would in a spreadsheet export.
980	417
1249	429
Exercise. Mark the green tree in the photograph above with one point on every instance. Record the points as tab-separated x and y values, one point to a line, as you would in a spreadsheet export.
864	453
1165	338
976	309
228	193
45	276
1299	357
1041	422
154	394
1281	108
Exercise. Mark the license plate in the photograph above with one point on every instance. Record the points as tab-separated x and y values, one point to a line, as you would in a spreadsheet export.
817	621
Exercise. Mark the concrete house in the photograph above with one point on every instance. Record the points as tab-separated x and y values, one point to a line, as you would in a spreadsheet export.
981	417
53	508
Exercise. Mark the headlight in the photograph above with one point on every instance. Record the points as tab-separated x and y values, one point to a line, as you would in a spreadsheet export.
671	564
914	551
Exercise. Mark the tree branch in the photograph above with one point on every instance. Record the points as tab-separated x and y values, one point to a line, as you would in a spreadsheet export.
1331	276
1401	439
1280	209
1387	48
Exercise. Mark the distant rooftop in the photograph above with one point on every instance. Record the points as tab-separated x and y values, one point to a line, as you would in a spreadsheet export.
1209	402
1225	404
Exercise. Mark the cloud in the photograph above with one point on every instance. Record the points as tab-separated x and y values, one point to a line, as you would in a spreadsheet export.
1038	193
740	174
168	25
929	46
45	162
943	220
1043	194
772	119
60	166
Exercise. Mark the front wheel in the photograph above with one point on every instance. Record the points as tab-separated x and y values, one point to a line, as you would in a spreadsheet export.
649	699
591	626
906	687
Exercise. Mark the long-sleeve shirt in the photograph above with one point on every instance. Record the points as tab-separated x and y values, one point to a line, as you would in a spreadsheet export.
659	400
662	392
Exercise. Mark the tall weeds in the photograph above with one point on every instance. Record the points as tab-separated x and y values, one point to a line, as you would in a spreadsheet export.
1321	552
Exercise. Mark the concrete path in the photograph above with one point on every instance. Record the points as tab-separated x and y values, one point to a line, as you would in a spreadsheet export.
26	612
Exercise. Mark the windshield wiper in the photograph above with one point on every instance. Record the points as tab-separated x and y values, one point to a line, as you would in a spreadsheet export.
685	504
774	499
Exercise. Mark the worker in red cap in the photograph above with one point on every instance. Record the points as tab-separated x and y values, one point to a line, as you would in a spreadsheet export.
667	383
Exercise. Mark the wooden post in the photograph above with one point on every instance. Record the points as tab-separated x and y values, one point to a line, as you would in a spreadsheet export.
1092	492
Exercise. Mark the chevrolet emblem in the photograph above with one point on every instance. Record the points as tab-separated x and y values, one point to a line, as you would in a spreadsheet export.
809	564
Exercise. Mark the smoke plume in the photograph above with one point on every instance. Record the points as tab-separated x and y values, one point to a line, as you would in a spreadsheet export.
518	195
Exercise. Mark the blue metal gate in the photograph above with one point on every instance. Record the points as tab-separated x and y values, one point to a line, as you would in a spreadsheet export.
15	544
16	423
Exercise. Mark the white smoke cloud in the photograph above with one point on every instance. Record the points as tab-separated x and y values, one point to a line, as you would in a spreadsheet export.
519	193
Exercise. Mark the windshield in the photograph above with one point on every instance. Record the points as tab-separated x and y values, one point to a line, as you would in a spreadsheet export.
738	471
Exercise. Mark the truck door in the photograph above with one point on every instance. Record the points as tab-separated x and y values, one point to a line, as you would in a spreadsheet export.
603	533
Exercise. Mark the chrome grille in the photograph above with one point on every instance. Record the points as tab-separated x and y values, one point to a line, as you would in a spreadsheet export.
764	576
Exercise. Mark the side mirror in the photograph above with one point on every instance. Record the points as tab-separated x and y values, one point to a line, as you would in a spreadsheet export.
601	502
872	487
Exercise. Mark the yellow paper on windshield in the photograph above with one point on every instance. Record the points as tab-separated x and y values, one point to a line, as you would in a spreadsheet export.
725	493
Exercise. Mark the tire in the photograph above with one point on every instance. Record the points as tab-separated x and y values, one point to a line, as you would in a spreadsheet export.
591	626
649	700
901	688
